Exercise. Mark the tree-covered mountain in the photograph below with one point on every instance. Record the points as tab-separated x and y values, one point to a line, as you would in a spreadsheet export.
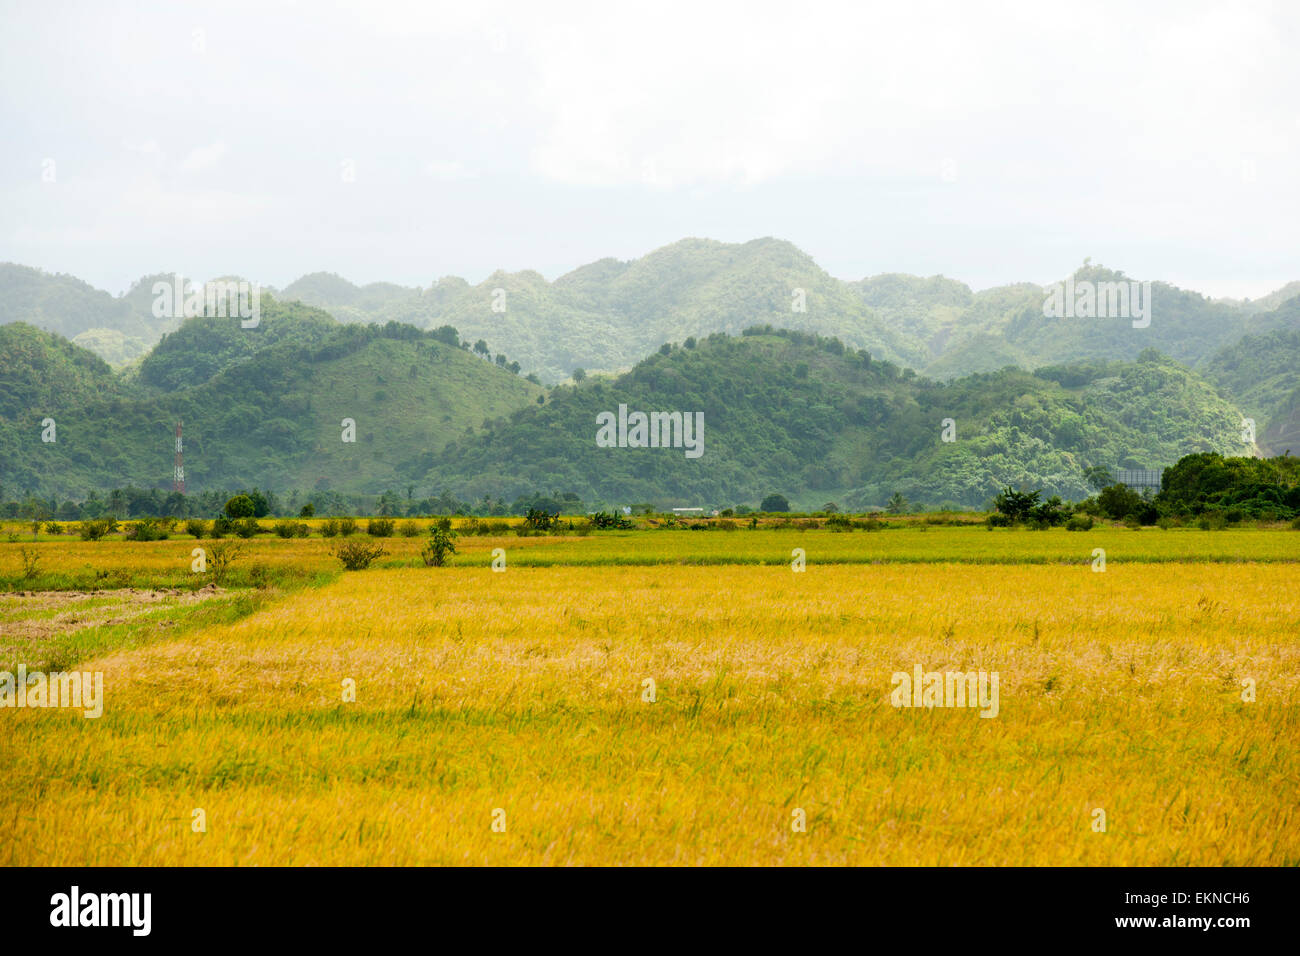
804	416
42	372
783	411
1261	373
269	413
609	314
118	328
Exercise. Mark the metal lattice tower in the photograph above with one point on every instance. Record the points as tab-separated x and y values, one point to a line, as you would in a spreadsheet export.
178	481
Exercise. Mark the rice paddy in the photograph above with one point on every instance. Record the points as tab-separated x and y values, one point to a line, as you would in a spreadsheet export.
669	697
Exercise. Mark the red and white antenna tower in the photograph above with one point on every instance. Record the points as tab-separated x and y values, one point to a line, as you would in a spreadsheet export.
178	482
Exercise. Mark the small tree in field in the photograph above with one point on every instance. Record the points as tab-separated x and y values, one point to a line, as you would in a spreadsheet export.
357	555
441	543
240	506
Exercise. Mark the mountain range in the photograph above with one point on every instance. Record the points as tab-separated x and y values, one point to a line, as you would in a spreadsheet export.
809	385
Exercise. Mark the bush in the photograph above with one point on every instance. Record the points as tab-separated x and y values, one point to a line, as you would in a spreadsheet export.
999	520
838	522
300	530
147	529
221	526
196	527
602	521
329	527
53	527
441	543
96	528
247	527
1079	523
380	527
1119	501
357	555
347	526
773	503
287	529
409	529
308	511
1295	525
221	557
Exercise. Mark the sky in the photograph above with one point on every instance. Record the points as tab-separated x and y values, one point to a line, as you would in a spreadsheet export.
405	142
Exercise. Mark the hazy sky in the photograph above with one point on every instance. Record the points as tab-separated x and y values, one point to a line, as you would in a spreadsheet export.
404	142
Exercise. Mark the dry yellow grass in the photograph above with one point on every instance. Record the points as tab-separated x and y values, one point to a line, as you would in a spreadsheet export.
523	691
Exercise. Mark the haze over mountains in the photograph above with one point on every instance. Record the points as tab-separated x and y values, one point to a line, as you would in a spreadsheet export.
609	314
832	409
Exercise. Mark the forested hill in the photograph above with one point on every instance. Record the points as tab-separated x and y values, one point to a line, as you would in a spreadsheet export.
609	314
804	416
262	406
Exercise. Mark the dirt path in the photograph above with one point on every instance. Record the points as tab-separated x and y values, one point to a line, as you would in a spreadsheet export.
24	615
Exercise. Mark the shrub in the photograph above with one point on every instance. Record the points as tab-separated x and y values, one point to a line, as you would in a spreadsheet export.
287	529
96	528
53	527
1295	525
247	527
774	502
347	526
441	543
308	511
146	529
602	521
838	522
357	555
409	529
999	520
1079	523
300	530
380	527
221	557
196	527
221	526
31	562
1119	501
329	527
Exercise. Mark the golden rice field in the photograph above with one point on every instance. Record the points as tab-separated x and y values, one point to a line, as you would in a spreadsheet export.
519	698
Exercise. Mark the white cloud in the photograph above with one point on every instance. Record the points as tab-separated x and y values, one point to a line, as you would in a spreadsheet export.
205	157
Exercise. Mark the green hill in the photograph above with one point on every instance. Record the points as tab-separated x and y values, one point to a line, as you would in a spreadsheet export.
1262	374
42	372
269	416
610	314
804	416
